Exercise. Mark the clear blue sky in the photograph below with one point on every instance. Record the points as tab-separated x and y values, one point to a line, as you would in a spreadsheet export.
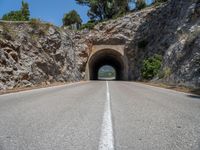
47	10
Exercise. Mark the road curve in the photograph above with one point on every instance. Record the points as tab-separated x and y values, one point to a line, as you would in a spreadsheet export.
100	115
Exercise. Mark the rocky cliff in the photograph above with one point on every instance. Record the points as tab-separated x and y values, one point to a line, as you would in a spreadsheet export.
32	53
37	53
171	30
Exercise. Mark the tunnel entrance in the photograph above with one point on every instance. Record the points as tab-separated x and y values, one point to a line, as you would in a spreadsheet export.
107	57
106	73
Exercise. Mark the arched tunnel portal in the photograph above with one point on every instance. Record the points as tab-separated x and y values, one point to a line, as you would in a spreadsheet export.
110	57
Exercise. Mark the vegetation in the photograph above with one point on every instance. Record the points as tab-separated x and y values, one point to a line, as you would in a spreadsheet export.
151	67
72	19
89	25
105	9
158	2
21	15
35	23
140	4
13	16
40	27
108	9
99	10
166	72
25	11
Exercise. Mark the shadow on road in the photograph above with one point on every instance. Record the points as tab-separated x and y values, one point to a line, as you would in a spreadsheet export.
196	91
194	96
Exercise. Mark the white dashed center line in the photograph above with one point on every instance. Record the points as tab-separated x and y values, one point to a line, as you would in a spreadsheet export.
107	139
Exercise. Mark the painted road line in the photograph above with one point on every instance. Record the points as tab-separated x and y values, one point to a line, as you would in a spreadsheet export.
107	139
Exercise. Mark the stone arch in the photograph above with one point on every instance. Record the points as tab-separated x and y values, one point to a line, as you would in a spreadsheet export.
107	55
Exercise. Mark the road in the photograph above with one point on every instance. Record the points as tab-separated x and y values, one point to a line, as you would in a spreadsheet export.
100	115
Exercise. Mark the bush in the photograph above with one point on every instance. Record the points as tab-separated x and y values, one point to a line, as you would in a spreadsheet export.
89	25
35	23
151	67
13	16
166	72
40	28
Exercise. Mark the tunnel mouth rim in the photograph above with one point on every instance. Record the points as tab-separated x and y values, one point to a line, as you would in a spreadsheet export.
106	57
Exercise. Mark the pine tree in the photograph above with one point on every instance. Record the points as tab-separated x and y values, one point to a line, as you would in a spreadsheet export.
25	11
21	15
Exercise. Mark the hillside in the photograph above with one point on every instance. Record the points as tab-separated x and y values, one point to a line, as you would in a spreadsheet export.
37	53
171	30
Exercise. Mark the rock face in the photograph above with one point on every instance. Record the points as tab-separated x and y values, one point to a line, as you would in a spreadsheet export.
171	30
32	53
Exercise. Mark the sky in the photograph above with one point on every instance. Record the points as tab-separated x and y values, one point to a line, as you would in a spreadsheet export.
47	10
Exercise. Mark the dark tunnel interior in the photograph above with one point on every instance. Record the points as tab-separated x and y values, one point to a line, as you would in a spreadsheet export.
106	57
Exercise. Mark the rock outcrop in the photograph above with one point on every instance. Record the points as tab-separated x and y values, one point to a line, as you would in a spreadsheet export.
35	53
32	53
171	30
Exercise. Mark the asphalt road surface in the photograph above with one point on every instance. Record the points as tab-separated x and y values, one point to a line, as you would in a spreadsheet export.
100	115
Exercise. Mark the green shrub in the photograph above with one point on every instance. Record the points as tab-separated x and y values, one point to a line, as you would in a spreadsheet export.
40	28
119	14
35	23
166	72
151	67
89	25
13	16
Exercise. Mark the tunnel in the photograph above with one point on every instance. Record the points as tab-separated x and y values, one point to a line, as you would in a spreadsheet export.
107	57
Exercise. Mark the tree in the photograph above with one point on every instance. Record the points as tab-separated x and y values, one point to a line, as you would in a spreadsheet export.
160	1
105	9
25	11
21	15
13	16
72	19
140	4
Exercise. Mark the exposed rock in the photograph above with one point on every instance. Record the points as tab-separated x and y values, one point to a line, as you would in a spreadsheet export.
34	54
24	83
171	30
2	86
37	54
